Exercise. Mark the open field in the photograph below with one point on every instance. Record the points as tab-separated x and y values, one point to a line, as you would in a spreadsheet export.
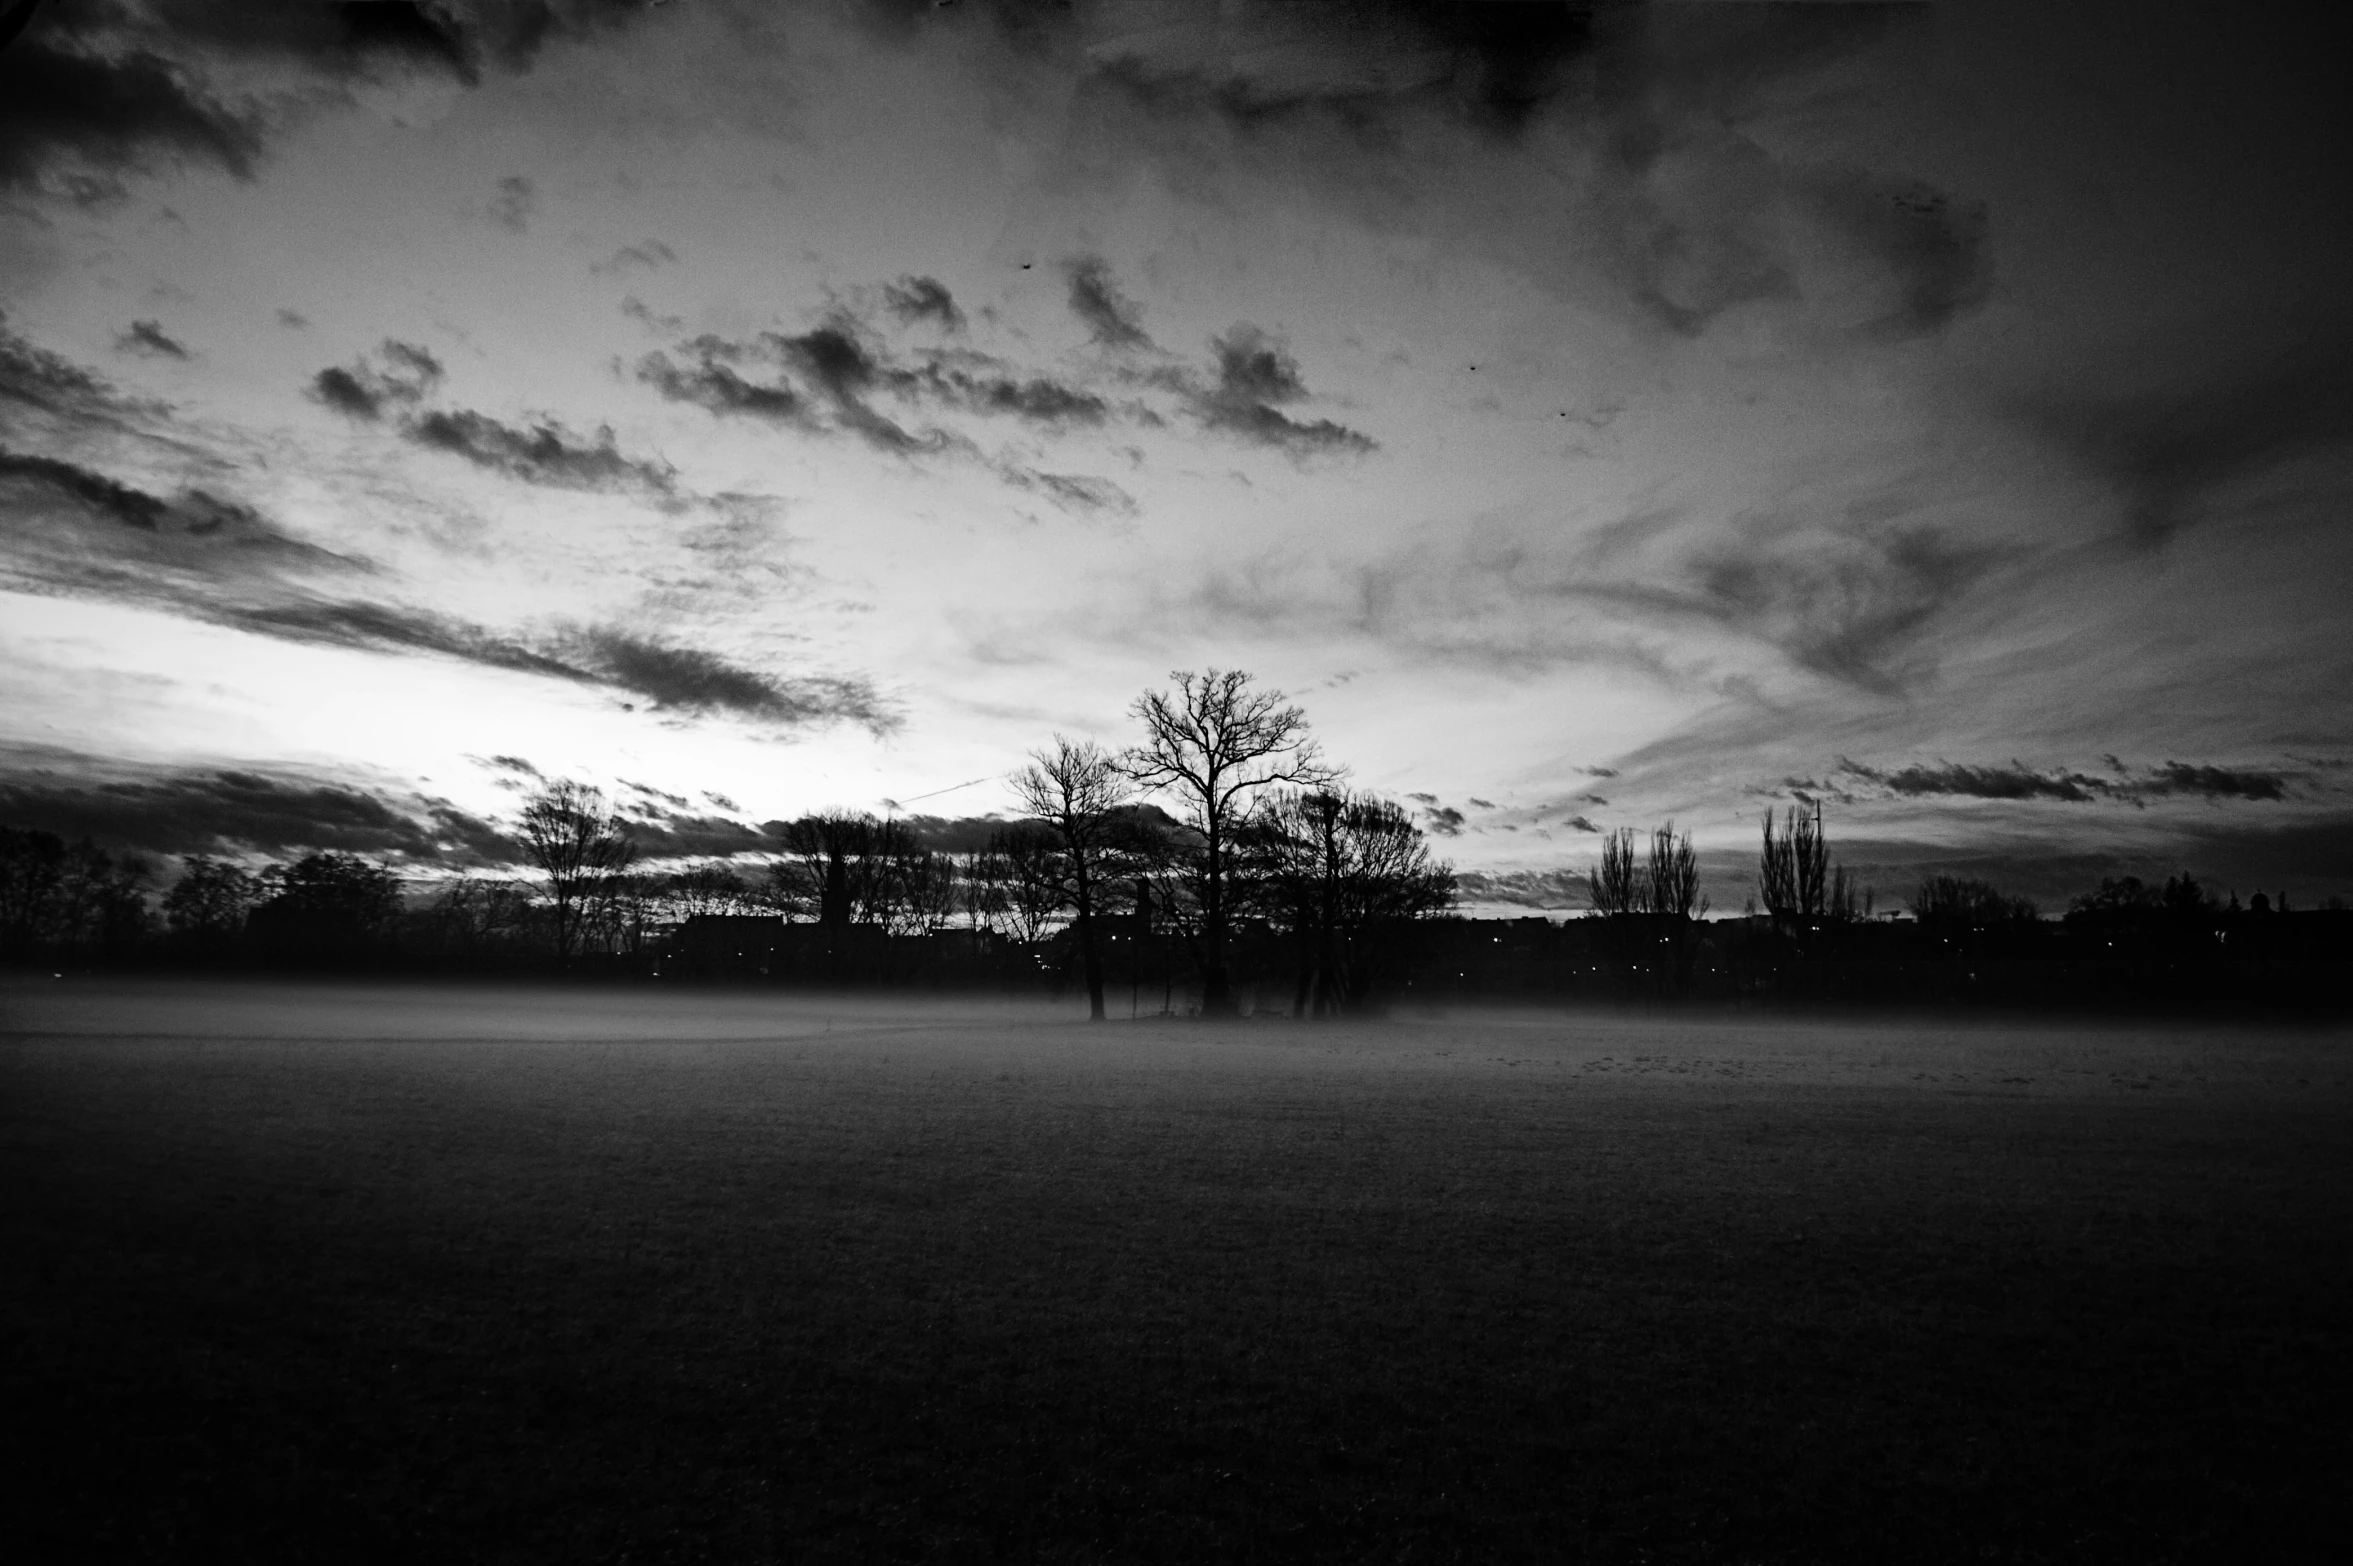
320	1272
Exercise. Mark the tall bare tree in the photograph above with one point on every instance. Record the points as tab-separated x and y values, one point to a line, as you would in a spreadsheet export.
1616	884
584	849
1671	878
1073	790
1216	743
1799	884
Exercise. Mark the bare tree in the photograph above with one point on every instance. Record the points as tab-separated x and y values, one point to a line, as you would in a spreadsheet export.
583	848
1216	743
832	848
986	877
1799	885
1029	855
708	889
1671	878
1616	885
1073	790
1343	870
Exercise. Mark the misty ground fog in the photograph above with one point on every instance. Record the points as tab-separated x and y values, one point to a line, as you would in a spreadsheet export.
734	1275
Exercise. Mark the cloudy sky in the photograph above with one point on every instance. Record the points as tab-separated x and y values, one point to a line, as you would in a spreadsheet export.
1592	416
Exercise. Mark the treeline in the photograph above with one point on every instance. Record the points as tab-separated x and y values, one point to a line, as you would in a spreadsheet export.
1218	859
1222	824
1812	934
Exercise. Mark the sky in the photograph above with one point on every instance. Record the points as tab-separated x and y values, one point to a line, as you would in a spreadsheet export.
1592	416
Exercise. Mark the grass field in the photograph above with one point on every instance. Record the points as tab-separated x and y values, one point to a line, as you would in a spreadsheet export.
343	1272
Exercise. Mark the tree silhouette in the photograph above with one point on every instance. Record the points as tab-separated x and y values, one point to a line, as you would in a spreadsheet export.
1027	855
1074	790
1216	744
1793	875
1670	881
583	849
210	900
1342	869
1615	886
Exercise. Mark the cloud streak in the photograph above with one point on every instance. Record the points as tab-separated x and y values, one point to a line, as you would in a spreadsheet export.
238	810
81	532
2015	781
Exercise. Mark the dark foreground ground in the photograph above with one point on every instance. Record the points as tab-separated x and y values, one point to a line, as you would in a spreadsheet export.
313	1273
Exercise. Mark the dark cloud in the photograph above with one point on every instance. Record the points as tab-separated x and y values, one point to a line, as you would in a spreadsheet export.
688	679
1038	399
543	453
1677	198
1483	804
712	383
113	87
721	801
1427	799
2176	777
644	256
914	299
512	207
669	676
77	530
1075	492
237	810
1254	372
836	374
1112	319
111	111
675	801
1444	820
825	381
109	498
841	369
33	377
2016	781
1497	66
1960	780
342	42
388	628
518	766
149	337
2170	455
294	320
1580	824
680	834
404	378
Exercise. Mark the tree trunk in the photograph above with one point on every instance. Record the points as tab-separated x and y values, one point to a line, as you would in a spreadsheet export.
1090	957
